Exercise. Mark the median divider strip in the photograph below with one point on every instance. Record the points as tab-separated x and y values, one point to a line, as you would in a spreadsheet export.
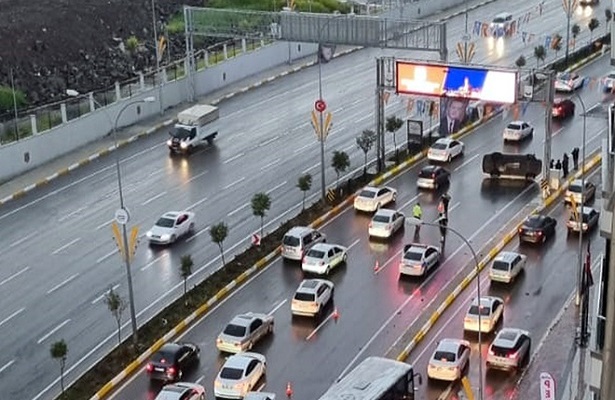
424	330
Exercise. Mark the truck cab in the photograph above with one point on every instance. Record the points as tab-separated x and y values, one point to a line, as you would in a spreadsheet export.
195	125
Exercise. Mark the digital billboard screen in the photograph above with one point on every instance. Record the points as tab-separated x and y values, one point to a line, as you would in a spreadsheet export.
493	86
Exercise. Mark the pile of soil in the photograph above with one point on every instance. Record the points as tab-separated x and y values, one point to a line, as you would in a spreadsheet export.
52	45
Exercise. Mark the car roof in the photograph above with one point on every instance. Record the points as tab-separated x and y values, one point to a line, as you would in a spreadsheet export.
310	285
298	230
259	396
451	345
507	337
503	14
170	347
517	122
371	188
323	246
536	217
239	361
417	247
577	182
178	389
242	320
430	168
486	300
506	256
171	214
444	140
385	211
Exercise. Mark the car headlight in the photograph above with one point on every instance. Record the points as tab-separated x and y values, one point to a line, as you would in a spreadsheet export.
169	142
165	237
183	145
217	383
148	234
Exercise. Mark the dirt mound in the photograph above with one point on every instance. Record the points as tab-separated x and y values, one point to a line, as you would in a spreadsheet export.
52	45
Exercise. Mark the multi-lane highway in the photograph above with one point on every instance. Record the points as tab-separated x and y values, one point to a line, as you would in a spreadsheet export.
59	257
375	308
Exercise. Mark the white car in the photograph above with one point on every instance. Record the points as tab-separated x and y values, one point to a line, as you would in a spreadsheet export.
239	375
609	81
171	226
590	219
372	198
311	297
323	257
510	349
386	222
568	82
244	331
417	259
445	149
507	266
259	396
182	391
491	312
575	191
517	131
449	360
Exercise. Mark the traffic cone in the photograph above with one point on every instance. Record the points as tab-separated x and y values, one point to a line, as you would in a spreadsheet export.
336	314
377	266
289	390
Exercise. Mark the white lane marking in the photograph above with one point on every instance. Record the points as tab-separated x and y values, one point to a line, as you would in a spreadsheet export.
266	142
67	216
6	366
230	185
64	282
23	239
154	261
103	258
78	181
319	327
106	223
353	244
557	131
51	332
15	275
276	308
469	160
348	148
305	171
300	149
271	164
412	200
67	245
16	313
198	381
159	195
197	176
191	238
273	189
235	157
235	211
102	296
190	207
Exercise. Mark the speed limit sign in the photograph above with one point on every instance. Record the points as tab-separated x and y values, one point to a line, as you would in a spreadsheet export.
320	105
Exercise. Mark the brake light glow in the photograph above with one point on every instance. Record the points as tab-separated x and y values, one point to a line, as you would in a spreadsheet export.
491	353
512	355
149	367
171	371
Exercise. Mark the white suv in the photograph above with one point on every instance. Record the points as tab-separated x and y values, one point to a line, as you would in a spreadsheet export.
506	266
311	297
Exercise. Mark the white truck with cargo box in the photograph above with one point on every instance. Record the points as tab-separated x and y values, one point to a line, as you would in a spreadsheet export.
195	125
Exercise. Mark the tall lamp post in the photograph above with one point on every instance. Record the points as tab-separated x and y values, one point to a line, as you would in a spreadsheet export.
582	203
126	253
415	222
568	8
158	57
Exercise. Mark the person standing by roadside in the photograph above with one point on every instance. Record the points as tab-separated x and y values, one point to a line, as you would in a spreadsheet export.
575	158
565	164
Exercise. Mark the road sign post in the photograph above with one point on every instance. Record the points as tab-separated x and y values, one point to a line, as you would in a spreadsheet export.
547	386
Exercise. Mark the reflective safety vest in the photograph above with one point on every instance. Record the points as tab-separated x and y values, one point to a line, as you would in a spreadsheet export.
417	212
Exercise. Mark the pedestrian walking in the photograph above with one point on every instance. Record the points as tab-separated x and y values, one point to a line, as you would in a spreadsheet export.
443	224
552	164
565	164
558	165
575	158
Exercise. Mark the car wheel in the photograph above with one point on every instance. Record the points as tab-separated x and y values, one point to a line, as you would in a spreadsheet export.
179	375
173	238
328	270
377	206
250	345
345	258
191	228
544	238
449	158
394	198
270	328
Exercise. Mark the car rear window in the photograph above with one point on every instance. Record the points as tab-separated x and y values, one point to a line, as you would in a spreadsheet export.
231	373
235	330
302	296
381	218
484	311
444	356
499	350
367	194
500	265
167	356
439	146
316	253
425	173
290	241
575	188
533	223
413	256
514	127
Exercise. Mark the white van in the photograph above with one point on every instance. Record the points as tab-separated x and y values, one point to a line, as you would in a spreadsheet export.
502	20
298	240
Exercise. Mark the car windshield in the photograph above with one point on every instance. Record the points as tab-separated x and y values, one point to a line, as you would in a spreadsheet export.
413	256
316	254
498	20
439	146
290	241
514	127
585	217
235	330
163	356
165	222
367	194
302	296
500	265
484	311
575	188
181	133
564	77
231	373
533	223
444	356
612	75
381	218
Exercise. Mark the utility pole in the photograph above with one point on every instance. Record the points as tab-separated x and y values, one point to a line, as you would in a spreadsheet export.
549	94
607	379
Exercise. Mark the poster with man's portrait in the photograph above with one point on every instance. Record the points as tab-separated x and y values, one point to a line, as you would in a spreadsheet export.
453	115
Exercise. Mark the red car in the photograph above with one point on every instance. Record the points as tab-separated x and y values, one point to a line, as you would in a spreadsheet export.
562	108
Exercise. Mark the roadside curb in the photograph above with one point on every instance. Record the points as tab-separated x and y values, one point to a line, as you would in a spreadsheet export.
424	330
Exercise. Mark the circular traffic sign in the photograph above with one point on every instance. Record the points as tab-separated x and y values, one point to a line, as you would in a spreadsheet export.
320	105
122	216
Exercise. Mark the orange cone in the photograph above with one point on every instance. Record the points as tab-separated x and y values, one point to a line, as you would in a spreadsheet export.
289	390
336	314
377	266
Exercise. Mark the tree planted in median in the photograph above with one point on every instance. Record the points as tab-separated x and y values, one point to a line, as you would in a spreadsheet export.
59	351
592	25
392	126
540	53
218	233
261	203
340	163
116	305
185	269
304	184
575	30
520	62
608	16
365	141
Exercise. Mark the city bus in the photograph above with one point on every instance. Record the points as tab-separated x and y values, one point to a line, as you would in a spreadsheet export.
376	378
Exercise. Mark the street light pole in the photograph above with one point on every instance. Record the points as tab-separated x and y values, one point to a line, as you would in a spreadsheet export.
321	134
582	203
568	16
158	76
415	221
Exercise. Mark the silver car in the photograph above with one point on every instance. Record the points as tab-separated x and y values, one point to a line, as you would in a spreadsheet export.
239	375
510	349
244	331
575	191
259	396
590	219
386	222
182	391
418	258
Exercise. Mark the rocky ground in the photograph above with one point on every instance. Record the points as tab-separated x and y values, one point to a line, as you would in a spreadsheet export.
52	45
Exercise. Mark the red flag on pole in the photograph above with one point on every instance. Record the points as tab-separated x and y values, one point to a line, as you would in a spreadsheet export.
589	279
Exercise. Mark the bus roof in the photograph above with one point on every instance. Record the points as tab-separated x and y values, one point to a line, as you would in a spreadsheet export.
369	380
